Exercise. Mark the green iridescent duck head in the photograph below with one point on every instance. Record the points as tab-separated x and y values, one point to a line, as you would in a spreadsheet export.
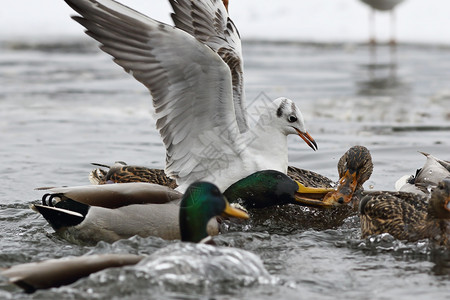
201	202
269	188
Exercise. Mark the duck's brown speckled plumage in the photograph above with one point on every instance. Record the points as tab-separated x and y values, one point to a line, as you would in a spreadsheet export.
357	160
355	168
309	178
408	216
120	172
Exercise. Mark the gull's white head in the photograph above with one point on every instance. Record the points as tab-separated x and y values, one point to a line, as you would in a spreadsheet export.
288	117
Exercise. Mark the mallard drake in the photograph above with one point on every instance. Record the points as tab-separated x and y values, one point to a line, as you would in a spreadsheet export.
354	168
382	5
201	203
426	178
194	72
114	211
408	216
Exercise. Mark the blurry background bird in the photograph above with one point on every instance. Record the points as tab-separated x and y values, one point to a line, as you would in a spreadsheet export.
382	5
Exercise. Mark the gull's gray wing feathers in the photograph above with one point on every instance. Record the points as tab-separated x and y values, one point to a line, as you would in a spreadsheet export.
208	21
190	84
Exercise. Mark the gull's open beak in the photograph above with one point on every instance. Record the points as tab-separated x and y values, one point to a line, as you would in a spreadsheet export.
310	196
230	211
307	138
344	191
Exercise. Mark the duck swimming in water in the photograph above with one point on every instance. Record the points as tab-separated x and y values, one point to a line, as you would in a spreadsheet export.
115	211
201	202
408	216
354	168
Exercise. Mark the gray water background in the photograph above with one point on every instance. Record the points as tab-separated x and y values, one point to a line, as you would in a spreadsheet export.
65	105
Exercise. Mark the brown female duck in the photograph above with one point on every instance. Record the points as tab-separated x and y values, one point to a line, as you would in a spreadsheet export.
354	169
408	216
120	172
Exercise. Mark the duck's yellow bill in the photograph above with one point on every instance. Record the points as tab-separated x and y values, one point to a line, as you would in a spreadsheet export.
302	189
234	212
311	196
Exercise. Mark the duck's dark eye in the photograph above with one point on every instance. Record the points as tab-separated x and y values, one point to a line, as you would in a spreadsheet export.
292	119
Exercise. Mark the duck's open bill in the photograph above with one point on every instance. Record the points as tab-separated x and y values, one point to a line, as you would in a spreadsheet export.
344	190
308	139
311	196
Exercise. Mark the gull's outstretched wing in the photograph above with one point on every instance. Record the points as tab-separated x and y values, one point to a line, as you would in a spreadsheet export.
190	84
208	22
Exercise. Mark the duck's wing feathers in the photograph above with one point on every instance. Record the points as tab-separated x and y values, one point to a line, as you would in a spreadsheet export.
433	171
309	178
57	272
191	85
396	213
113	195
208	21
123	173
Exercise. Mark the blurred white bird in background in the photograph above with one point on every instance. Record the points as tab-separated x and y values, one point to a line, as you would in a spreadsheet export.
382	5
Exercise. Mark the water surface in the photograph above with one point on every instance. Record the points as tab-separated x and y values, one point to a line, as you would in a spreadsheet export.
63	106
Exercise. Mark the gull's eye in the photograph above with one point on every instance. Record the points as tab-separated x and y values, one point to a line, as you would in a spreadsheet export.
292	119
